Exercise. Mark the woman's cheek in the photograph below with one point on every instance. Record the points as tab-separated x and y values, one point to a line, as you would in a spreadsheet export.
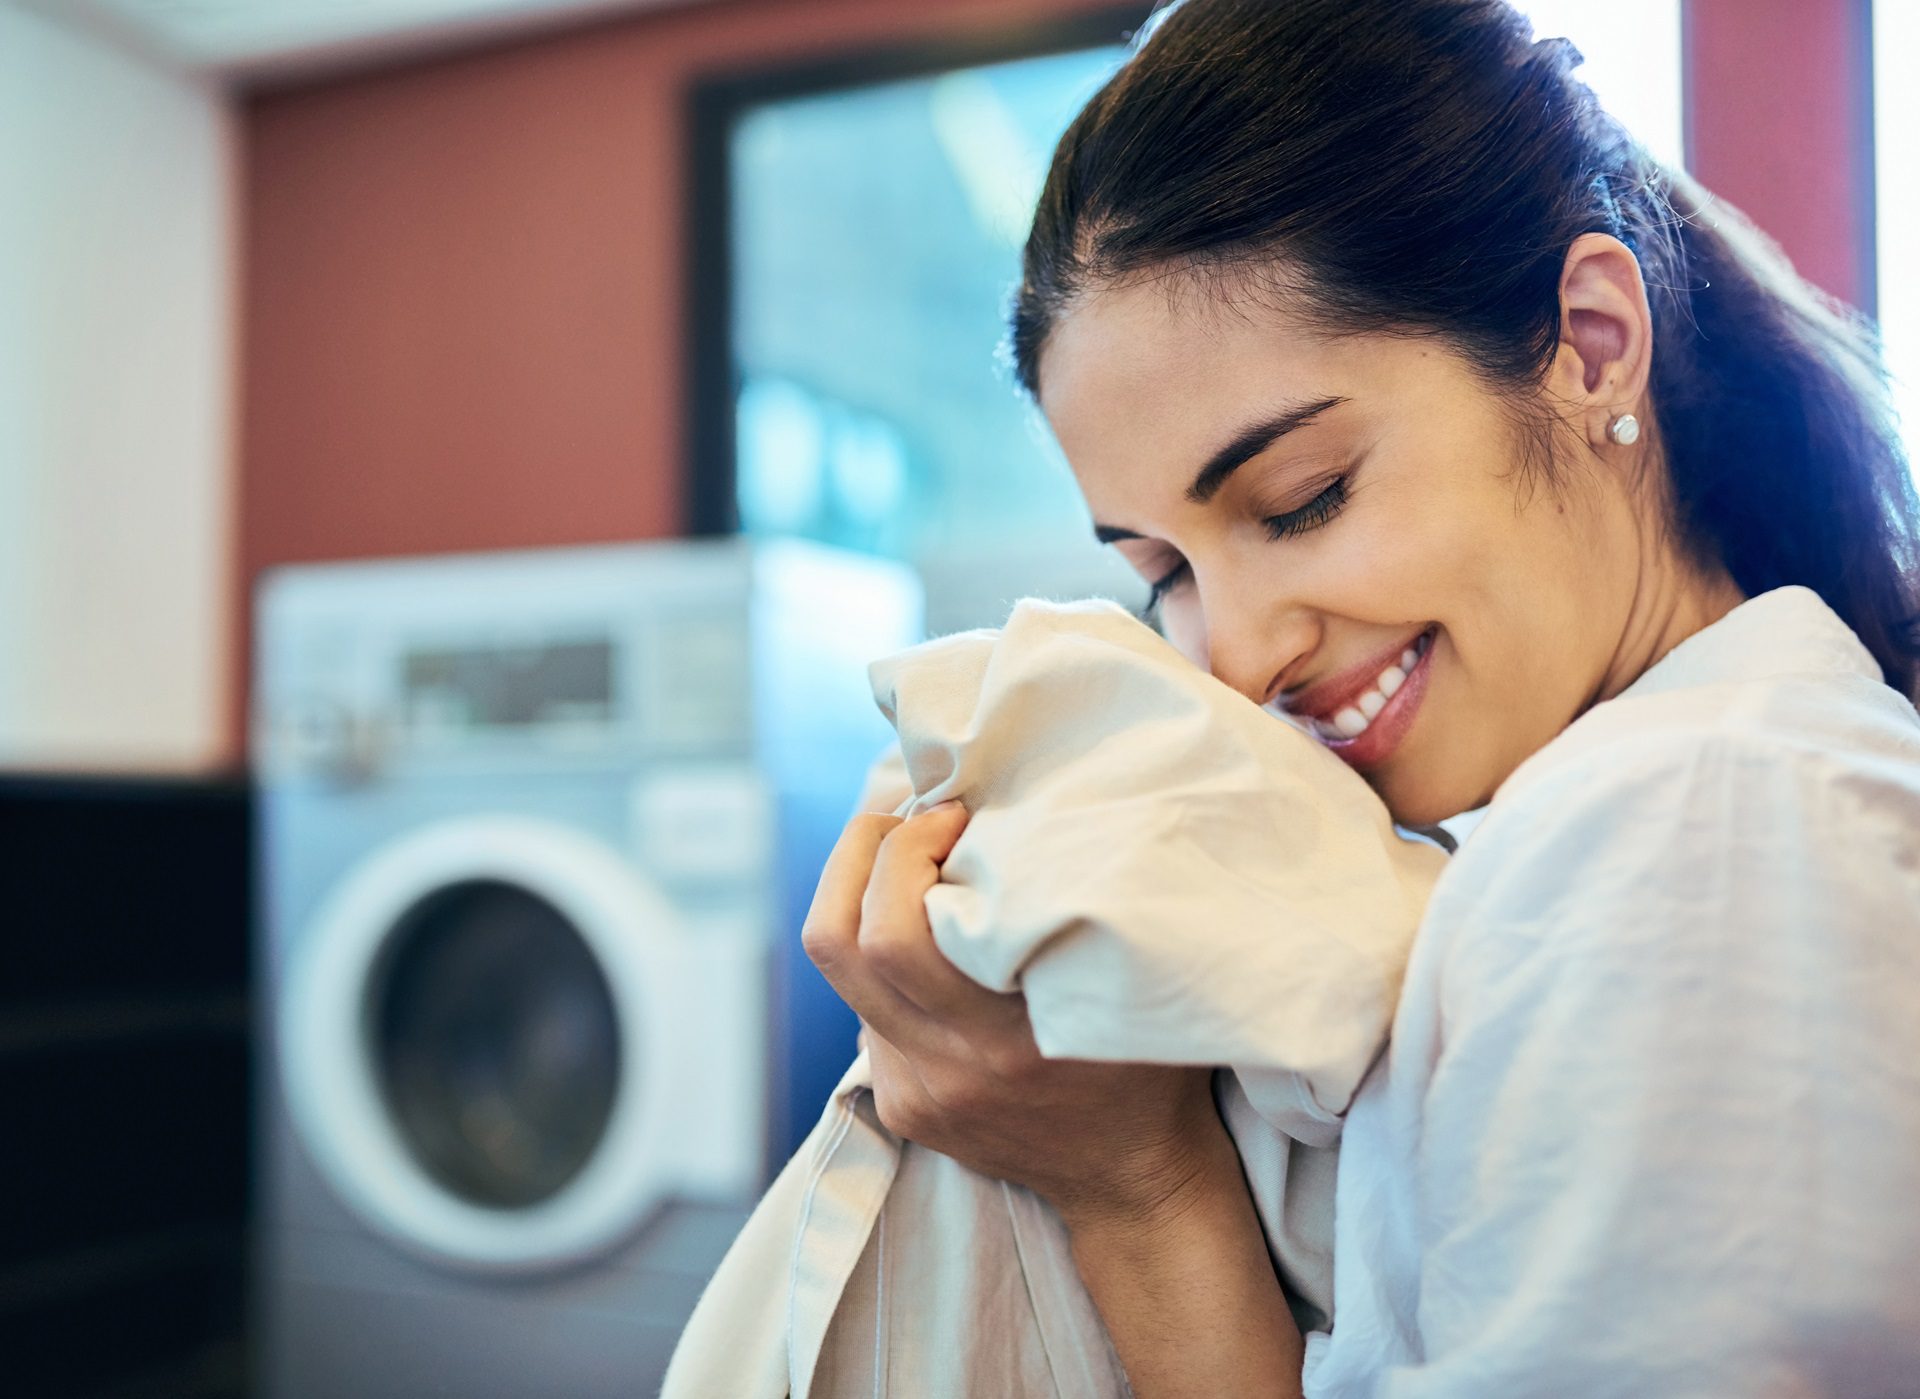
1184	627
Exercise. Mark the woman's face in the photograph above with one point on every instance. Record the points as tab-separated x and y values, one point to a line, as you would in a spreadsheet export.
1347	530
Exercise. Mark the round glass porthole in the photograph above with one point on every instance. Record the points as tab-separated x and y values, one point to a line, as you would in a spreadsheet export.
496	1043
471	1042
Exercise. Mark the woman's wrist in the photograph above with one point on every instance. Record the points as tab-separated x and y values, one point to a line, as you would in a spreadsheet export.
1177	1265
1153	1191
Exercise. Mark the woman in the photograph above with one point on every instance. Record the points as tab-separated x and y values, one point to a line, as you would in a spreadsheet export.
1442	417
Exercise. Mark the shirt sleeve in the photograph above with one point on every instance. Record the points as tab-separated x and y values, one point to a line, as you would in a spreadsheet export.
1670	1144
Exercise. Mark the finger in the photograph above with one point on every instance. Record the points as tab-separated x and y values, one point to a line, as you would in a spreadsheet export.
831	932
940	826
895	936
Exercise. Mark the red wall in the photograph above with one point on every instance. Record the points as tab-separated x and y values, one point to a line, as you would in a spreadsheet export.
463	279
1779	114
462	289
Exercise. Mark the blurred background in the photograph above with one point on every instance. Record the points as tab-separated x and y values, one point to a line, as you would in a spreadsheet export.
456	460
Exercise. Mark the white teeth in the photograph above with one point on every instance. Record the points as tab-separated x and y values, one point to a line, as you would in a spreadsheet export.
1353	720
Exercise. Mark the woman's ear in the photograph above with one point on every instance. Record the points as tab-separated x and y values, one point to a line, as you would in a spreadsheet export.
1606	335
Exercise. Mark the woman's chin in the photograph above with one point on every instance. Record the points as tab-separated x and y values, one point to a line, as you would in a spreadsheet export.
1414	803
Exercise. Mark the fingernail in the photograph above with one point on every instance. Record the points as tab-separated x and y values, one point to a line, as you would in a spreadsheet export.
948	805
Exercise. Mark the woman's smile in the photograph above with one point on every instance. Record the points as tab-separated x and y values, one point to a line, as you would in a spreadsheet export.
1363	713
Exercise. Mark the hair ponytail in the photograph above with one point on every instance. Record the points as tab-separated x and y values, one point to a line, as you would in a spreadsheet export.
1423	164
1780	434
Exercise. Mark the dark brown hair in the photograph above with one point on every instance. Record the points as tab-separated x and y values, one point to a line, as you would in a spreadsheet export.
1421	167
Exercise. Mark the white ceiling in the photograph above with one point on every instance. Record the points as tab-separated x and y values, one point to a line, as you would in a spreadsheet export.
257	40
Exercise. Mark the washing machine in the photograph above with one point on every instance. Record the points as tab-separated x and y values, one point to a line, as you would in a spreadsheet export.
537	833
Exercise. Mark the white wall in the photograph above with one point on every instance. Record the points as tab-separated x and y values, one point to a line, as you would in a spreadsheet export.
117	272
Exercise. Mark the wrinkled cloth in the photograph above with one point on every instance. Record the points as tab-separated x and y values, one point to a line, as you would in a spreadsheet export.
875	1267
1649	1124
1169	873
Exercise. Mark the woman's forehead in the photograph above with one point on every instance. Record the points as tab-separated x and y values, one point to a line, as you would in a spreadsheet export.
1134	380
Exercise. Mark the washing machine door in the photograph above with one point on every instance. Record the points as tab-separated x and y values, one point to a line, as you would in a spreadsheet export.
470	1042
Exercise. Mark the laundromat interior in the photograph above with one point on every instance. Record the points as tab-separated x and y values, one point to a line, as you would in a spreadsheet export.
458	459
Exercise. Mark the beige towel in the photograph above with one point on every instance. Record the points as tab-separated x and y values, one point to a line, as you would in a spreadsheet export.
1169	873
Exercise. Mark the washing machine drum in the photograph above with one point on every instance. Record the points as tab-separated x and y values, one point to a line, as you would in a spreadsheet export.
496	1041
466	1042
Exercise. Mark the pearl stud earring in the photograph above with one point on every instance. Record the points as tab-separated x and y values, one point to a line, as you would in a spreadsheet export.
1624	429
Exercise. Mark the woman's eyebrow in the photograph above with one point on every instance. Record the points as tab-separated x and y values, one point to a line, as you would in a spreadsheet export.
1247	444
1250	443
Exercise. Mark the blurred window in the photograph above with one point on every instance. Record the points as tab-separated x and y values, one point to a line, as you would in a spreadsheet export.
876	238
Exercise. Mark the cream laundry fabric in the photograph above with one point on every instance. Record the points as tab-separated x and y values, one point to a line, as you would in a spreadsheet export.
1170	873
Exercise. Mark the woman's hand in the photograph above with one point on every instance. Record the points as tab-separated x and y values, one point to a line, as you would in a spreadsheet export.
955	1065
1133	1156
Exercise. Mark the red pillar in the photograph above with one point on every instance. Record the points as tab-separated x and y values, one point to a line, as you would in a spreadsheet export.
1779	123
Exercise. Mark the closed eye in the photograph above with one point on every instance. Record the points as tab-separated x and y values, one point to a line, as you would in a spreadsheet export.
1157	591
1313	514
1310	516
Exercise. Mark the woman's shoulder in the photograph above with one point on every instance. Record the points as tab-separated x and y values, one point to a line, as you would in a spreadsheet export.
1722	872
1715	740
1819	722
1770	798
1778	694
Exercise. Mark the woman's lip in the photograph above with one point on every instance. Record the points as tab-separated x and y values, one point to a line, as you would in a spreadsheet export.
1390	725
1330	696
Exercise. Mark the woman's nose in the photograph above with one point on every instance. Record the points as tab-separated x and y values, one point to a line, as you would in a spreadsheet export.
1253	647
1247	670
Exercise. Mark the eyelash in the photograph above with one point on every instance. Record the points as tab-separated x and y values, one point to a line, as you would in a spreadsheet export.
1310	516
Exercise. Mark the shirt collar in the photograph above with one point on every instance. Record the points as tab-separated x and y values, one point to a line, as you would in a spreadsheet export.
1788	631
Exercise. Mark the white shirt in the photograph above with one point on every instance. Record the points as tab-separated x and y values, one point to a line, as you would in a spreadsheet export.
1649	1124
